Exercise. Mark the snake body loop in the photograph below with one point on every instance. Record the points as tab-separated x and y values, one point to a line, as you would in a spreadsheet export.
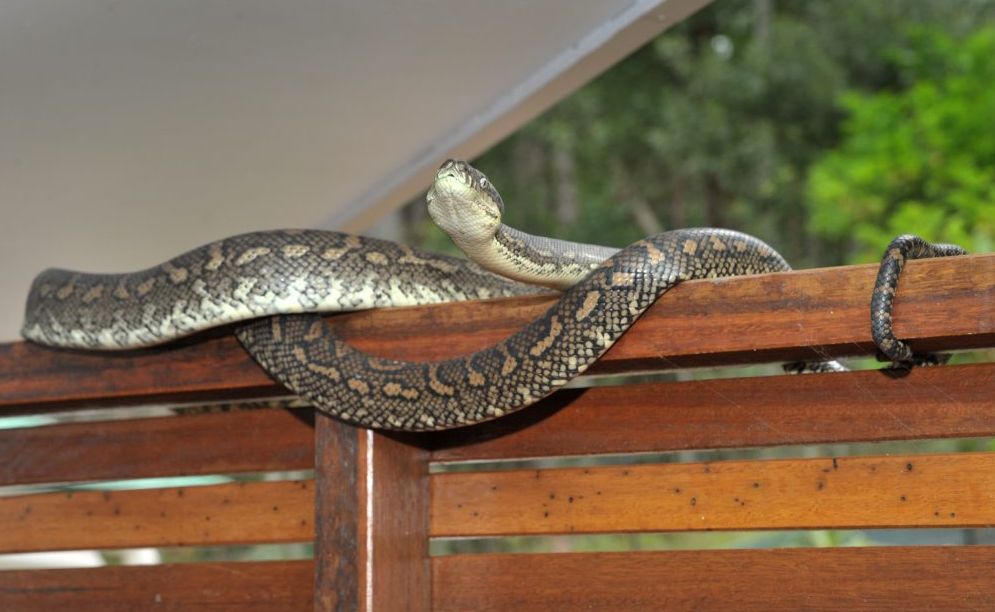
545	355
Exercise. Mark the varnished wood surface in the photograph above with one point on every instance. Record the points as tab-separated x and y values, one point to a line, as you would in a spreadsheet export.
873	579
236	513
372	516
954	401
222	443
278	586
943	303
943	490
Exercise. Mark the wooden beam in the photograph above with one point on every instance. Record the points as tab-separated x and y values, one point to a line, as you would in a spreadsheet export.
371	550
954	401
950	490
873	579
242	441
270	586
942	304
236	513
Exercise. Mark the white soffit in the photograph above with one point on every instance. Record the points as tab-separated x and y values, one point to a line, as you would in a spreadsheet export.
133	130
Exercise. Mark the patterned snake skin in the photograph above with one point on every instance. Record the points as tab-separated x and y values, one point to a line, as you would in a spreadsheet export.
244	277
532	363
898	252
283	273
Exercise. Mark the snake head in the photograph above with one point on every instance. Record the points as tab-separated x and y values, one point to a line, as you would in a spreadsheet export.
464	204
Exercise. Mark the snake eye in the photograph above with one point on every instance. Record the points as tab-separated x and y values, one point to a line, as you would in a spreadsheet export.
483	182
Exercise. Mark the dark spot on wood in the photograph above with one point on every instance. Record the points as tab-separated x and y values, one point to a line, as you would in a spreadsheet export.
117	510
69	495
225	501
106	495
937	513
537	474
826	470
625	472
89	512
598	492
475	513
162	514
908	467
953	514
207	518
546	513
836	465
587	471
820	485
494	488
179	492
694	501
303	522
276	508
552	496
459	505
570	499
677	490
901	498
756	485
708	469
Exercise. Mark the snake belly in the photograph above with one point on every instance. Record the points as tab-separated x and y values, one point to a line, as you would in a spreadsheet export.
245	277
369	391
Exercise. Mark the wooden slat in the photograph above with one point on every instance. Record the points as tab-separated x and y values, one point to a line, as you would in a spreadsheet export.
236	513
907	578
371	549
243	441
955	401
943	303
919	491
278	586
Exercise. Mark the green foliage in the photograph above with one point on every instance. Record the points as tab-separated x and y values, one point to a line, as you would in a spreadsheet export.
919	159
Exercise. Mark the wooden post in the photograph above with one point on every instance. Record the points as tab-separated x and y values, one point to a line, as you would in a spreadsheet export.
371	523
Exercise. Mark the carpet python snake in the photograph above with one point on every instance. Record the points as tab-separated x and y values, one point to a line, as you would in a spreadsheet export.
271	283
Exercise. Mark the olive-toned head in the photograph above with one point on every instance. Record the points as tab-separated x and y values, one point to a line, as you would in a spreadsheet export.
464	203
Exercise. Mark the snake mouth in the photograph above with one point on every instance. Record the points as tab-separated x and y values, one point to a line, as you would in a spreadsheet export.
449	169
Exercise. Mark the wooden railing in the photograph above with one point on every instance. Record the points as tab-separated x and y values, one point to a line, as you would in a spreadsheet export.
376	501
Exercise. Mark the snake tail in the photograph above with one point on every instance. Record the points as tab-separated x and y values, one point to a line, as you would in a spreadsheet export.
901	249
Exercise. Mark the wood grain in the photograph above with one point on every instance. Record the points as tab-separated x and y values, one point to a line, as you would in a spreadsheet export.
949	490
236	513
371	551
943	303
224	443
955	401
900	578
277	586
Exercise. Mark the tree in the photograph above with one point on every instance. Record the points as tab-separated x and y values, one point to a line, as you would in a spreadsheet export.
918	159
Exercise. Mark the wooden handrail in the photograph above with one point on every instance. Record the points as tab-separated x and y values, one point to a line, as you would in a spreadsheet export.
942	304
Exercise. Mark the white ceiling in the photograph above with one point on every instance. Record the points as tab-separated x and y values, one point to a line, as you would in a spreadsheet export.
133	130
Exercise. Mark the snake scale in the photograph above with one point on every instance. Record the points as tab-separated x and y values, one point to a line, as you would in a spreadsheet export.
269	283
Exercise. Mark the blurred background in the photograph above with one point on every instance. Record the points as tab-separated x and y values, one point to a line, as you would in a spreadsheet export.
824	127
